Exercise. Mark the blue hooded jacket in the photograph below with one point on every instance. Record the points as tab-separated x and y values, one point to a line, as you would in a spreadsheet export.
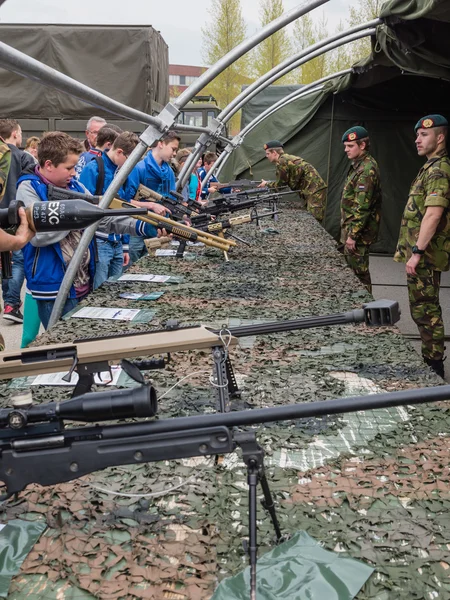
160	179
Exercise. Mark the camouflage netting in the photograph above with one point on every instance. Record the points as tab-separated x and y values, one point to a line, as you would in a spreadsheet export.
373	485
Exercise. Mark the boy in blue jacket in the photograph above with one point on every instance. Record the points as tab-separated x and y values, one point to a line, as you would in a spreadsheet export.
47	255
155	172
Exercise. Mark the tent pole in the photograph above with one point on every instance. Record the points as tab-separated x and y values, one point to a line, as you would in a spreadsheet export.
164	122
305	56
329	154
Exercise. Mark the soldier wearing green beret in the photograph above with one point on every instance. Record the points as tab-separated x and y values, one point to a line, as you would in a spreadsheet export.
360	203
300	176
424	240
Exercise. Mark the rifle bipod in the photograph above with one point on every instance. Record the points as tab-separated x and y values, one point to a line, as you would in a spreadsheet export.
253	456
224	379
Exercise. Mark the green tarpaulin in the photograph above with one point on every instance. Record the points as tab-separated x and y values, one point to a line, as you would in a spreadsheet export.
407	76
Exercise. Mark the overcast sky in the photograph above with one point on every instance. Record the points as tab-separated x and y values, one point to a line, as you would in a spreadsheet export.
179	21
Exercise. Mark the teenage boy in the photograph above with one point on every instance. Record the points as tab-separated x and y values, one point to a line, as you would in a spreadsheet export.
47	255
155	172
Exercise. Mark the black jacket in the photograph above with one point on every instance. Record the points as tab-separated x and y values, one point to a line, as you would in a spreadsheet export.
20	161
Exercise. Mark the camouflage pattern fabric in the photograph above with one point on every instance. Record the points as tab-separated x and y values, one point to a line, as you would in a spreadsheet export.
303	178
359	262
361	202
423	293
430	188
5	163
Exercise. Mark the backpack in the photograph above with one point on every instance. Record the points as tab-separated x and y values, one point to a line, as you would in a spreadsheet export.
101	176
5	164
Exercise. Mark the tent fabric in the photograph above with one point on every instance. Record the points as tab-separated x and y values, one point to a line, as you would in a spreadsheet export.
406	77
127	63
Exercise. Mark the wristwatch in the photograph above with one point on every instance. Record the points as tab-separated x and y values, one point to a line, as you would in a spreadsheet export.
415	250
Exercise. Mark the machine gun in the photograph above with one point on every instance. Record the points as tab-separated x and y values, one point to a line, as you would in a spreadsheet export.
180	230
34	437
89	356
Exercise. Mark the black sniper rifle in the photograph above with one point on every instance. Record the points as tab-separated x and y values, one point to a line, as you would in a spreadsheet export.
174	204
89	356
33	438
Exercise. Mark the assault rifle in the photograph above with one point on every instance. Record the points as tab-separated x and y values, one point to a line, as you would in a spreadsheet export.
91	355
205	223
244	201
34	437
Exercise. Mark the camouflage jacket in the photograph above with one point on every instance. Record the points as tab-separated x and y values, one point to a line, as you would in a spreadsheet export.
431	187
299	175
5	164
361	201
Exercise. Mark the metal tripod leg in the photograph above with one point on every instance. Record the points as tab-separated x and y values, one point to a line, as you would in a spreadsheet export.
253	456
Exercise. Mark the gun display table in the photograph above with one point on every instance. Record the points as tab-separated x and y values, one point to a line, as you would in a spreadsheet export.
177	544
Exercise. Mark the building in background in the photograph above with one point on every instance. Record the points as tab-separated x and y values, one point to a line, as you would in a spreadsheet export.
181	77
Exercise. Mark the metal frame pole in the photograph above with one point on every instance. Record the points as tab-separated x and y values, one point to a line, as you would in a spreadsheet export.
294	62
165	121
216	126
304	91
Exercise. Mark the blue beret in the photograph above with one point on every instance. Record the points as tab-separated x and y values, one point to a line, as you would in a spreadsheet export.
431	121
273	144
355	133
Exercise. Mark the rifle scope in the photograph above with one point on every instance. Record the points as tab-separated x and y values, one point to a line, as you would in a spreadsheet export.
88	408
61	215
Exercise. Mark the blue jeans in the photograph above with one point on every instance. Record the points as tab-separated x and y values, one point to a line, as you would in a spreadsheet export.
45	308
11	287
137	248
110	261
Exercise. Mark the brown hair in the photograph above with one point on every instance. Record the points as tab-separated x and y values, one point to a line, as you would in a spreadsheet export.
32	142
209	158
126	141
170	136
444	130
7	126
182	155
56	147
366	141
105	135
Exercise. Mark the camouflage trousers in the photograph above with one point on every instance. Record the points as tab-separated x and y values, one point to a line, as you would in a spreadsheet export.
423	293
316	203
359	262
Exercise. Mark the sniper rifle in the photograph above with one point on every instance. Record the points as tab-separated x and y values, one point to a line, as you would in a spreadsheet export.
176	205
89	356
205	223
34	437
243	201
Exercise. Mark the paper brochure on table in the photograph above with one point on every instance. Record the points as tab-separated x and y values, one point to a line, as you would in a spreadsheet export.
56	379
116	314
148	277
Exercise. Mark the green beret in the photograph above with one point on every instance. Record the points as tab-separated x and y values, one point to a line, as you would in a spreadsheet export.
431	121
273	144
355	133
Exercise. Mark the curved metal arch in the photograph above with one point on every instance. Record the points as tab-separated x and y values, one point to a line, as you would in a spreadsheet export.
311	88
165	120
280	70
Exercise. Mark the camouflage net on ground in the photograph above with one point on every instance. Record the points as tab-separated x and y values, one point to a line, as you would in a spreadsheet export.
373	485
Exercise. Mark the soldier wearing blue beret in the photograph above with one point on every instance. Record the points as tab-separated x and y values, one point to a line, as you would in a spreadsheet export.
360	203
424	241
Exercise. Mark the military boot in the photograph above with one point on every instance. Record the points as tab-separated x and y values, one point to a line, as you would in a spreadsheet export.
436	365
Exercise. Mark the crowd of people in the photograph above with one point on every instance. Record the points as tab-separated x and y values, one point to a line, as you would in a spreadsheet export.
61	160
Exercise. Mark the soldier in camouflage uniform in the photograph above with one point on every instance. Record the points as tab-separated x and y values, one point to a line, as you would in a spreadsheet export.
424	240
300	176
360	203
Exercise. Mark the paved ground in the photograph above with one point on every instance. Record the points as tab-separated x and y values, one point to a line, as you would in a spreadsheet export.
388	282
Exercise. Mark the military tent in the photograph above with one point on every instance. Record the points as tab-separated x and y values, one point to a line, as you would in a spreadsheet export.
406	77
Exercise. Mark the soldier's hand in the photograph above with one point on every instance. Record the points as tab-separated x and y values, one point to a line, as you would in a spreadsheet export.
350	244
412	264
263	183
24	234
